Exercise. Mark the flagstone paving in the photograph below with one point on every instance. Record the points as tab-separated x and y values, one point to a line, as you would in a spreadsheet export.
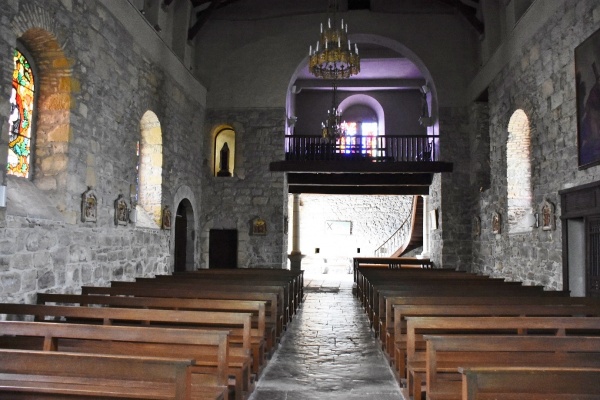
329	351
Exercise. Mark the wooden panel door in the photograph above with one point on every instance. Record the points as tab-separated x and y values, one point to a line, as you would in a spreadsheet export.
593	257
222	248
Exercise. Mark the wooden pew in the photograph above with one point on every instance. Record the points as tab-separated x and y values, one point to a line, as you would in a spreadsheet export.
273	315
515	383
239	358
447	287
130	341
257	308
544	298
40	375
446	354
296	277
415	326
480	308
284	288
230	291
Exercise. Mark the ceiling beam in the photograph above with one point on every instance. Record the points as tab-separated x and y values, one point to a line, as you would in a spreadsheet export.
201	19
360	179
361	190
469	13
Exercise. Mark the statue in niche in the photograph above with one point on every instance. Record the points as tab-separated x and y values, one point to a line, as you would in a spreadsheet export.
166	218
548	220
496	223
224	164
121	211
89	206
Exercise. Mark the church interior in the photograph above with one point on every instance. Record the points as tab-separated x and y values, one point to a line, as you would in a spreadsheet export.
330	147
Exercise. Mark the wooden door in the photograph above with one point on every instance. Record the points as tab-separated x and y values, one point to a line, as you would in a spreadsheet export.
180	240
222	248
593	257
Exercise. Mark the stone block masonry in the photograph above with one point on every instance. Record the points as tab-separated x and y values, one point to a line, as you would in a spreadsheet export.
253	191
538	79
96	84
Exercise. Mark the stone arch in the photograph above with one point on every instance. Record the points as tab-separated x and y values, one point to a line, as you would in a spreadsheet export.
150	166
518	173
37	30
192	213
432	98
370	102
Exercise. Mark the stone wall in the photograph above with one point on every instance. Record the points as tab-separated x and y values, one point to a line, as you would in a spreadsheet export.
108	82
252	192
451	241
540	80
373	220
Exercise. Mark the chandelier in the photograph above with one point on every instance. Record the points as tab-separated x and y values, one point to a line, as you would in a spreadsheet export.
334	56
333	127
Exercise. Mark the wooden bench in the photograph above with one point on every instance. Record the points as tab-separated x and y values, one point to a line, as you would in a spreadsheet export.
296	277
257	308
273	314
516	383
445	354
239	357
228	291
190	346
284	288
522	308
543	298
448	287
417	326
39	374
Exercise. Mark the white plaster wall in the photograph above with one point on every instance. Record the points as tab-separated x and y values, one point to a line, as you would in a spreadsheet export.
250	63
374	219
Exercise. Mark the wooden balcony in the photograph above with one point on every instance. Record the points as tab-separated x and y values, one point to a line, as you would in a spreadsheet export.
361	164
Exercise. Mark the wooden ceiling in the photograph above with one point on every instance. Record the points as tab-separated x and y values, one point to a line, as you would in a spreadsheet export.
248	9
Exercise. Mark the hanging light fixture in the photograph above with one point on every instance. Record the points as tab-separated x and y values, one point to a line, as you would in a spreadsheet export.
334	57
333	127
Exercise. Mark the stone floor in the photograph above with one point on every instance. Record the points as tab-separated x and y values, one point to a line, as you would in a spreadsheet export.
328	351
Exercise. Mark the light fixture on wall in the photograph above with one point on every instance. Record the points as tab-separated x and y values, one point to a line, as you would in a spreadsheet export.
333	128
334	57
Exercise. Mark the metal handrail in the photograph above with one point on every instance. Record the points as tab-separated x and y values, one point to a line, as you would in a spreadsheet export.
393	242
386	148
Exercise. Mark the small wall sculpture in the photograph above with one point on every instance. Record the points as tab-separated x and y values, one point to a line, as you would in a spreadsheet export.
496	223
89	206
121	211
166	218
259	227
548	218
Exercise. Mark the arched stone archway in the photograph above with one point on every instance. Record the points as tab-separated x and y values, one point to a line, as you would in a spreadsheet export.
184	237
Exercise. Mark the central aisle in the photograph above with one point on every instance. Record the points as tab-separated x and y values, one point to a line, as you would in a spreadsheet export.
328	351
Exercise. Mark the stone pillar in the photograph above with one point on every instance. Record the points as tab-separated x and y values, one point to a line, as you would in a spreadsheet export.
296	256
425	253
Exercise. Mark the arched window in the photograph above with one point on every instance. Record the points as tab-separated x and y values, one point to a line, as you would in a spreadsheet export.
150	167
224	152
362	128
518	173
22	112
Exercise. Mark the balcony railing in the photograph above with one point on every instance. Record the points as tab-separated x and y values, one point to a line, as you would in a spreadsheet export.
365	148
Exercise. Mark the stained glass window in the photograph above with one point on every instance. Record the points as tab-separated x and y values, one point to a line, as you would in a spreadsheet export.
363	143
20	118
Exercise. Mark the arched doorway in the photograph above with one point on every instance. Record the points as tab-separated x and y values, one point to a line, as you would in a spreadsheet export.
184	237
